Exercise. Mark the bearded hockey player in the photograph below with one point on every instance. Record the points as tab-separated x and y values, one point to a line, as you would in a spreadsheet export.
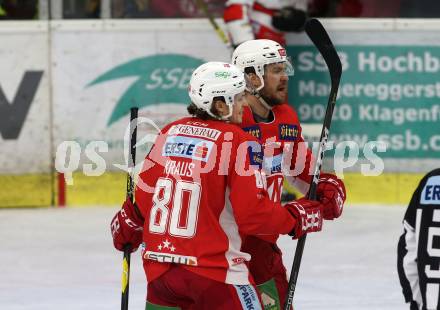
418	251
263	19
201	192
276	125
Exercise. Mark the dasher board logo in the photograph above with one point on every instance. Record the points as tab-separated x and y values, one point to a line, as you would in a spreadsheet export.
207	133
431	192
254	131
160	79
187	147
14	111
288	132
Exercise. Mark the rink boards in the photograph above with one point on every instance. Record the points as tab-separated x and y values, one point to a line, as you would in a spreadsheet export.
109	189
68	86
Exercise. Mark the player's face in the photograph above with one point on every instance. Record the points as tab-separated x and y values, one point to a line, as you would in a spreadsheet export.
275	83
237	110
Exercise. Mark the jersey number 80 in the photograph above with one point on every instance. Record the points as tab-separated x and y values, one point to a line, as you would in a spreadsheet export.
160	216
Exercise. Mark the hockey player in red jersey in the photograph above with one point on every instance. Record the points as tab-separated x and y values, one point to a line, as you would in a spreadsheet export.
201	191
276	125
263	19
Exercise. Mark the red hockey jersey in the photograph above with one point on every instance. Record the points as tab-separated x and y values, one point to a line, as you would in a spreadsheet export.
286	155
200	191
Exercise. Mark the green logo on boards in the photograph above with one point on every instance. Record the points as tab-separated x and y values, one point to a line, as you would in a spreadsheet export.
160	79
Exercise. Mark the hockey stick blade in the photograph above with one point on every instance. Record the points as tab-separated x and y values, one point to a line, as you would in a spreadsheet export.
317	34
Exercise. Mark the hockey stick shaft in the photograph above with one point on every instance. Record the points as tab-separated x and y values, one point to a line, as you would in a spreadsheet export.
320	38
201	4
130	195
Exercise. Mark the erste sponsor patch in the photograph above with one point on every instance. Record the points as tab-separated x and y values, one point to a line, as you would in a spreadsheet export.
187	147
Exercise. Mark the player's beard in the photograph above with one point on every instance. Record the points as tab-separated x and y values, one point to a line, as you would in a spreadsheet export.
273	100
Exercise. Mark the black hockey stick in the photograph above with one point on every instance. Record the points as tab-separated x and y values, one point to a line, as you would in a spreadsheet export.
320	38
130	190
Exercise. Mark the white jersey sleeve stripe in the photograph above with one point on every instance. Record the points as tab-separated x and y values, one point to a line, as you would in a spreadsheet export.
237	272
432	291
409	261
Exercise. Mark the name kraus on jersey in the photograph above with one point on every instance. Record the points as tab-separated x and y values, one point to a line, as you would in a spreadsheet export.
419	246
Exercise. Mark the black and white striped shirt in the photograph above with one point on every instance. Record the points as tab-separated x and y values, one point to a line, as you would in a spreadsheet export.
419	246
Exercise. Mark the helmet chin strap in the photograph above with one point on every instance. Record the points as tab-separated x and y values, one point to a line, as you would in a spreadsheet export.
262	101
256	92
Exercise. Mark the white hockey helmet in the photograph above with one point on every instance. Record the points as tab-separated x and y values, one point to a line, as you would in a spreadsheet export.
216	79
258	53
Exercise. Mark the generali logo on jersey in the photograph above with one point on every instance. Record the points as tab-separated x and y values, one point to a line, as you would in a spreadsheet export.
208	133
187	147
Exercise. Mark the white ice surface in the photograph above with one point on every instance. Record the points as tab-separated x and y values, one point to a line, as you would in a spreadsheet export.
64	259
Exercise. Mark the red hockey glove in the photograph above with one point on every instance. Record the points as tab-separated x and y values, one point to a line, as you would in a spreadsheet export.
308	214
127	227
331	193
